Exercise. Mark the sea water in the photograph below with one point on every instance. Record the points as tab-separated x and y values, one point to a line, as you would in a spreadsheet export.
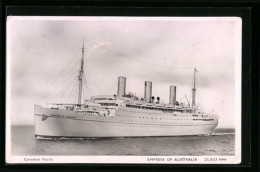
23	142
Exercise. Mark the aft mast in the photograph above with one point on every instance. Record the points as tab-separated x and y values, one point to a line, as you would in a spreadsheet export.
194	89
80	77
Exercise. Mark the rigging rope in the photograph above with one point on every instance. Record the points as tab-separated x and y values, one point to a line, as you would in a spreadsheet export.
87	72
140	61
72	90
198	93
63	84
59	78
84	79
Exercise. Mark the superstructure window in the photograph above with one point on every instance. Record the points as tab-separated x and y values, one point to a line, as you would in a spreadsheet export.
103	99
157	108
109	104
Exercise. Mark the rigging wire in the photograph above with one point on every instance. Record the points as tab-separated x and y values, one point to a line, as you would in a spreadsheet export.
64	80
86	84
64	84
58	76
97	87
199	96
140	61
69	97
67	75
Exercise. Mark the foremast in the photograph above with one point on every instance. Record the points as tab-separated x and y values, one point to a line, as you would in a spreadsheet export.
81	72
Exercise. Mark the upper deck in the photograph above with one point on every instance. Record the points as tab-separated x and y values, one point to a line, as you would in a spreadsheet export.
109	103
132	102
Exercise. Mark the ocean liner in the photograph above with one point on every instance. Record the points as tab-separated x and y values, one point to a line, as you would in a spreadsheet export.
123	115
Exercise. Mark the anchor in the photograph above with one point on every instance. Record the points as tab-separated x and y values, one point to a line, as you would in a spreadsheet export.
44	117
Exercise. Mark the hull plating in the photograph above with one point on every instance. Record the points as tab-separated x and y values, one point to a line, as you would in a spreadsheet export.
62	123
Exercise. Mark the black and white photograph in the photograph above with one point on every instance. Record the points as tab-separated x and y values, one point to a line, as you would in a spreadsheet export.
148	90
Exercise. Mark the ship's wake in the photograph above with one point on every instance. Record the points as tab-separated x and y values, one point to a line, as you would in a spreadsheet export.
119	138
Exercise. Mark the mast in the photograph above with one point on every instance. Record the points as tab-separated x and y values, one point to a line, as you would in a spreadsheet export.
81	71
194	88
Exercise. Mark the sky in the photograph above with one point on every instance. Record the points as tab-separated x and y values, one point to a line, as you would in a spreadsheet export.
44	58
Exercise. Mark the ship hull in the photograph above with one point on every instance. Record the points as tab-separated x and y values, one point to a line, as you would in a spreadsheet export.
60	123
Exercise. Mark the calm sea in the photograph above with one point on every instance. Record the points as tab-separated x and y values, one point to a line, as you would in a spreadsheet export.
24	143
